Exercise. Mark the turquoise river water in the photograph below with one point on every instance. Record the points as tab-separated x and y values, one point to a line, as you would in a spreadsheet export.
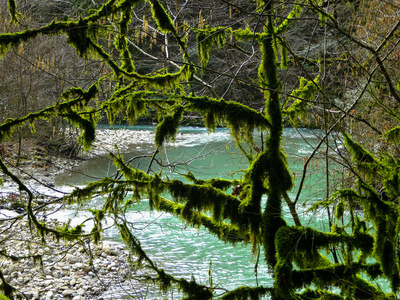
185	251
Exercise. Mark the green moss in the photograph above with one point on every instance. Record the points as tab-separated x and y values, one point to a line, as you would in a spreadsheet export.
365	290
194	290
359	153
393	135
168	127
309	240
207	198
121	43
163	20
309	294
127	103
12	9
206	39
64	109
78	37
240	118
302	96
6	288
224	231
245	292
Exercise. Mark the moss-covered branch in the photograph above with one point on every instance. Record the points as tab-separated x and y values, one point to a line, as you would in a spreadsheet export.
223	231
240	118
64	109
245	292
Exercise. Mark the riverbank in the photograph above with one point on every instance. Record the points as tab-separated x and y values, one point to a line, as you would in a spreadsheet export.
39	166
68	270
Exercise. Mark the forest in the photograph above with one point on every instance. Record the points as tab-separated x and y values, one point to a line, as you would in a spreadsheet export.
254	68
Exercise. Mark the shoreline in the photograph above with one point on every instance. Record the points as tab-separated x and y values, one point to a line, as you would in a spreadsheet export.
69	271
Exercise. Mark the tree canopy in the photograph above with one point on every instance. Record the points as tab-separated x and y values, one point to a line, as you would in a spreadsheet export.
253	68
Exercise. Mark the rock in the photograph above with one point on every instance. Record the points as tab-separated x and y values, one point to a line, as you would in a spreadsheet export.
68	293
36	293
73	259
81	292
28	293
49	294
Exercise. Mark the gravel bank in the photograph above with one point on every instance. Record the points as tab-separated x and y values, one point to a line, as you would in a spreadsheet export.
69	270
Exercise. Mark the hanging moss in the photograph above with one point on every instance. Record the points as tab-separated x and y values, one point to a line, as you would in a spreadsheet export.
342	276
226	232
291	241
78	37
294	14
219	183
284	57
77	31
190	288
121	43
12	9
208	198
168	81
309	294
168	127
14	39
70	233
194	290
87	126
393	135
131	105
365	290
206	39
245	34
302	96
163	20
56	109
310	241
240	118
359	153
245	292
6	287
134	246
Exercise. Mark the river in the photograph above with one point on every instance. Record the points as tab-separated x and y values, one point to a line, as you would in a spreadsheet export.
187	252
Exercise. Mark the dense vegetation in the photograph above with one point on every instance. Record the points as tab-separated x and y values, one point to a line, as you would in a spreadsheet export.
255	66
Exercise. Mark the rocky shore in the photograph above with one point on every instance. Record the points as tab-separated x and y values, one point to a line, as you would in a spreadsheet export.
67	270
